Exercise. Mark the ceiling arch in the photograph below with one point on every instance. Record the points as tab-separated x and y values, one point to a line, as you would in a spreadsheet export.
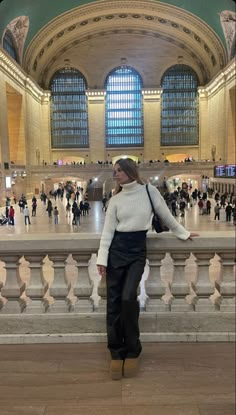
41	12
114	29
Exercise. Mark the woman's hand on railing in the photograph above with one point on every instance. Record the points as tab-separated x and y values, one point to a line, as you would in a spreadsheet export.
192	235
102	270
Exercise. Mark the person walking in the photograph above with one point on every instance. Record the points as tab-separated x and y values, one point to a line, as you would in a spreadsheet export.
122	258
228	211
11	216
68	210
217	211
26	214
208	207
34	206
49	208
55	214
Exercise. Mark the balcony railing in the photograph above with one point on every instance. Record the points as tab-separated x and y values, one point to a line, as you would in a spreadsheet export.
51	292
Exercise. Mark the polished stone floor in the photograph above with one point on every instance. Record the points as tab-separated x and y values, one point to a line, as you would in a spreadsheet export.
95	220
72	379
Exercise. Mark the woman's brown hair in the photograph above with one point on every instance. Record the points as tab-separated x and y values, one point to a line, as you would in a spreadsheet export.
131	169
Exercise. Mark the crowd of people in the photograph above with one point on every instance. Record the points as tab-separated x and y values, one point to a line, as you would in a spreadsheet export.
77	204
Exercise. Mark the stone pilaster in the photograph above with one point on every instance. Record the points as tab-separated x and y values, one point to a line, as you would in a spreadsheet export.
152	122
204	147
96	117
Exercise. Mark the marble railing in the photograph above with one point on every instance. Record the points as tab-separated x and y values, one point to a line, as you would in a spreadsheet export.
50	289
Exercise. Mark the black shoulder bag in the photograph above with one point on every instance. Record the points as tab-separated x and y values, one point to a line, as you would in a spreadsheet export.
157	224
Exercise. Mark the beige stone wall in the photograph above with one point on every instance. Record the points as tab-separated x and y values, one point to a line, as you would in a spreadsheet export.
216	126
4	140
16	131
45	133
230	120
32	129
204	146
96	117
152	126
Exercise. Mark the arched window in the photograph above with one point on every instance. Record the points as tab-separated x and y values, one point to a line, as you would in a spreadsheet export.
179	112
9	45
124	108
69	115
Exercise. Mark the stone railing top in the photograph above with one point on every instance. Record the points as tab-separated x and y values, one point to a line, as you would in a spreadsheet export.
221	241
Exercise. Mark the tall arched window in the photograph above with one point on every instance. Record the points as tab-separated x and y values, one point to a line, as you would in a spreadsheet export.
69	115
9	45
124	108
179	113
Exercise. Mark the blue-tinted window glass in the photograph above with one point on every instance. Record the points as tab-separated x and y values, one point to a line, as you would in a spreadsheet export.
124	108
69	115
179	112
9	45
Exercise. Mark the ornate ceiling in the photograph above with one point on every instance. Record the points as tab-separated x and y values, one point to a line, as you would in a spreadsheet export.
94	36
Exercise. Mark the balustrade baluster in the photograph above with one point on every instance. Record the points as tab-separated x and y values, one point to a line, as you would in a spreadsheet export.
95	281
226	285
14	286
37	286
60	288
155	288
203	286
82	288
179	288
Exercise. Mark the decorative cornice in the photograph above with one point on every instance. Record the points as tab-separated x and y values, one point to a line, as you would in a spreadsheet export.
95	92
220	80
152	94
19	77
149	18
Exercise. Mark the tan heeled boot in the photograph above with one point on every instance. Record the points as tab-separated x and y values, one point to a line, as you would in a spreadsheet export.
131	367
116	368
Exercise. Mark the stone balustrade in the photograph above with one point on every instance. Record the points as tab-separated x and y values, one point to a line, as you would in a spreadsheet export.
51	292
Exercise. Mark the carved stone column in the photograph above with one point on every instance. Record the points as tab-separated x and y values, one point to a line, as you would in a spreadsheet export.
37	286
226	286
83	287
59	289
154	286
203	286
179	287
14	286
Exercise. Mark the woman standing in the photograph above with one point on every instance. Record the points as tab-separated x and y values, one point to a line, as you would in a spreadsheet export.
122	257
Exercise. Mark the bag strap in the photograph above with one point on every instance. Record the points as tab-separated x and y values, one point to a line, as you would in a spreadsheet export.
150	199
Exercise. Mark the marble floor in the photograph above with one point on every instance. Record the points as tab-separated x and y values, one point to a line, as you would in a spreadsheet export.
72	379
95	220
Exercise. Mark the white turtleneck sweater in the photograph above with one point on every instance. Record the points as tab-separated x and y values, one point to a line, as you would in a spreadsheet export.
131	211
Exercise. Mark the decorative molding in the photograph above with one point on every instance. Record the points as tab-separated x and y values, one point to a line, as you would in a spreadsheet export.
19	77
100	18
204	68
152	94
219	81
